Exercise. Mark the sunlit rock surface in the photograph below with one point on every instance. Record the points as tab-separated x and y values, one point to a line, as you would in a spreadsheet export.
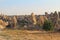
3	24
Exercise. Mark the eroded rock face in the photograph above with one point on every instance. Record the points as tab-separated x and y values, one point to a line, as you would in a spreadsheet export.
33	19
3	24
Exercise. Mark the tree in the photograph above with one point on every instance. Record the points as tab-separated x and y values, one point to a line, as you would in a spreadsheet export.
48	25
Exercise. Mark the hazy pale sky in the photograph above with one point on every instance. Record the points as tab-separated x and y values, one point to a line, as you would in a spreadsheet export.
20	7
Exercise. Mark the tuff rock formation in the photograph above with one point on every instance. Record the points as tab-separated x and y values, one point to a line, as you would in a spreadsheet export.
33	19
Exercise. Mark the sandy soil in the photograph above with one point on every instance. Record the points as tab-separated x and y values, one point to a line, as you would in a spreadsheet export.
28	35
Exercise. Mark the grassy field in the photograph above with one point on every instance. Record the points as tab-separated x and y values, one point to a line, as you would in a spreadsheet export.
28	35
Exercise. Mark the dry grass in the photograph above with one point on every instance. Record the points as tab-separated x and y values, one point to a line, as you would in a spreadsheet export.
28	35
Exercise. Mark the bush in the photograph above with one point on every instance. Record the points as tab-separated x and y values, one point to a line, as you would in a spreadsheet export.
48	26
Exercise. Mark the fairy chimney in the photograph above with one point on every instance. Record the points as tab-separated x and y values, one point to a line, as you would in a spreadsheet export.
14	20
33	17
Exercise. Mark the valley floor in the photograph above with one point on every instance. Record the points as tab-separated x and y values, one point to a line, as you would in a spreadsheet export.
28	35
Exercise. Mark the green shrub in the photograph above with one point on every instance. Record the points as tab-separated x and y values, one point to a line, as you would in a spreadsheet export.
48	25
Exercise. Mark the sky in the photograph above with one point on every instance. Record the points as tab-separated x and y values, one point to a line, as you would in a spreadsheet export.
26	7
